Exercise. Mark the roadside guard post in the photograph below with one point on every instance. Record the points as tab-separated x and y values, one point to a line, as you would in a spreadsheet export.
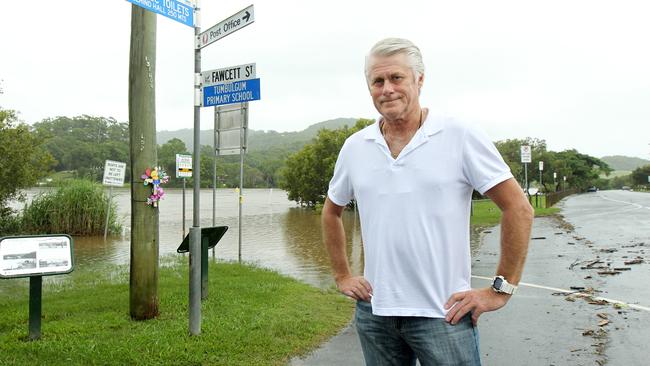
210	236
35	257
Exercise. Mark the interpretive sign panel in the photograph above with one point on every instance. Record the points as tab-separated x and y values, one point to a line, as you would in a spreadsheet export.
526	155
237	92
35	255
183	166
114	173
181	11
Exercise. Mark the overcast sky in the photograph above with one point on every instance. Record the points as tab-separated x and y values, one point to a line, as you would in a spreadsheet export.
575	73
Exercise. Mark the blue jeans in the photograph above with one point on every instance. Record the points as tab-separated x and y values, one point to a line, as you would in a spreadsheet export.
400	340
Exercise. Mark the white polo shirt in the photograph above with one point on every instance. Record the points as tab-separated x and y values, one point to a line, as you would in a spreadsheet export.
415	210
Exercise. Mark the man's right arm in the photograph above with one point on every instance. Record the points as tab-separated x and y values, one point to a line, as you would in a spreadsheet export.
356	287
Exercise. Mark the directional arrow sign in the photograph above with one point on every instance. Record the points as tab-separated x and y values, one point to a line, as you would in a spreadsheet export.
227	26
237	92
228	74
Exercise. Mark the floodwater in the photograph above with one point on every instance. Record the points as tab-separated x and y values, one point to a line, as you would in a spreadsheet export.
276	233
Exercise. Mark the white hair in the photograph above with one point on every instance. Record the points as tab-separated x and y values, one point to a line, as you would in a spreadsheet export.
393	46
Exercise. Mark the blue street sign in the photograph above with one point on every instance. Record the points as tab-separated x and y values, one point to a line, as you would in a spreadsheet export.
237	92
179	10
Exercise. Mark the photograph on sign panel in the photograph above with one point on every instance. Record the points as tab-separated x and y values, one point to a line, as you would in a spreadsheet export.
18	262
54	253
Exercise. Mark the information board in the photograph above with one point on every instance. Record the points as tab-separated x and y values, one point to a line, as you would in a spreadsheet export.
39	255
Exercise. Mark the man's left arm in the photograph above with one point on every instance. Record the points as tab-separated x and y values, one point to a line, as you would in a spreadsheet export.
516	223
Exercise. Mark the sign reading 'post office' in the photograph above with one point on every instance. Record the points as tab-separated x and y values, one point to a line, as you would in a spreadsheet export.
35	256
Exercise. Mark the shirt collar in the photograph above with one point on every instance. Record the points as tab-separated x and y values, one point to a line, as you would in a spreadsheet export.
430	127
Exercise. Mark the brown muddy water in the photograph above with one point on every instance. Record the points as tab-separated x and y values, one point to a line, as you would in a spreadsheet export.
276	233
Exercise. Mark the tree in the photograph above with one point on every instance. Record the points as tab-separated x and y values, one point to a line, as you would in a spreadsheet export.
83	143
167	159
23	161
307	173
640	176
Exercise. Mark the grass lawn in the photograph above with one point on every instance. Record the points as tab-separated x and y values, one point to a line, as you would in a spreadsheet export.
253	316
486	213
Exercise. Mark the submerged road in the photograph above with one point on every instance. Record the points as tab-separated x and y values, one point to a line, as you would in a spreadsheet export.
579	302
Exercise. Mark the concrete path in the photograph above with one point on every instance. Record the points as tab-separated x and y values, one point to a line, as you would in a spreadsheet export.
546	322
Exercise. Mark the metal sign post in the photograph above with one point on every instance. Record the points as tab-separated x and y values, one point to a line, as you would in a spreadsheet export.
183	170
541	168
231	131
526	157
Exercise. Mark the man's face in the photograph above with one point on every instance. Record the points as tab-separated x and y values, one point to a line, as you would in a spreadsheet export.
393	87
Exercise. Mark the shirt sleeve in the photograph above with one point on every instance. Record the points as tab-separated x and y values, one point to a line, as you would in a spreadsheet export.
340	190
483	165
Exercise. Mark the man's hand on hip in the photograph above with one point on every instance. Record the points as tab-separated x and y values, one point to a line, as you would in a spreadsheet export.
477	301
356	287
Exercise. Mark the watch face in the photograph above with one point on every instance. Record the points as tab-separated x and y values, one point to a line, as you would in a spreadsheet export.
497	283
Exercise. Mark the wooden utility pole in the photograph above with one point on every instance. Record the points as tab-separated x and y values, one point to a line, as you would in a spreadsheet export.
142	129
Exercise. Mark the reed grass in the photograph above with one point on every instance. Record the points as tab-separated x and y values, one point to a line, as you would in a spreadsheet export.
76	207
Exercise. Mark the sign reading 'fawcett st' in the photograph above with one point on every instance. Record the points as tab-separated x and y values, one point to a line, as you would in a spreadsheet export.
237	92
228	74
227	26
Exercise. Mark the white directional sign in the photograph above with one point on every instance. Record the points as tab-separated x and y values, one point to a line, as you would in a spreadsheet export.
228	75
526	154
183	166
114	173
227	26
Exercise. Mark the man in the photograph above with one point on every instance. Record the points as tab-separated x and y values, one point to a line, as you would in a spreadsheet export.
412	176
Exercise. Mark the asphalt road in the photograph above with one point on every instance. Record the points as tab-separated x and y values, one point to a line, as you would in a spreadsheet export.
605	319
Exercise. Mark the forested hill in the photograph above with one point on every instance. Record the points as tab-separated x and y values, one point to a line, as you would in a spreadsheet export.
618	162
261	140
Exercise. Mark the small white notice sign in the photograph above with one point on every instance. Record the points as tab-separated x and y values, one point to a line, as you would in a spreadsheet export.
526	154
35	256
114	172
183	166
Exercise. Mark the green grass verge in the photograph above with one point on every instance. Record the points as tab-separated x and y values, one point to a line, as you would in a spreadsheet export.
486	213
253	316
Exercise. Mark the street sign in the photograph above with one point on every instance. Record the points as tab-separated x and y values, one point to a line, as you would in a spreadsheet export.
183	166
228	74
227	26
40	255
541	165
181	11
237	92
526	155
114	173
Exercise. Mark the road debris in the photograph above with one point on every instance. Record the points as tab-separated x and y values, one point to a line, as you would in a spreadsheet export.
637	260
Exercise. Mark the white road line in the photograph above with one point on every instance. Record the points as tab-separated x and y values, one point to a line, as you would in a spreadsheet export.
555	289
629	203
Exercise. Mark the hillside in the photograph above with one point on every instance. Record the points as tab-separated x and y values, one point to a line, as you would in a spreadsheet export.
260	140
626	163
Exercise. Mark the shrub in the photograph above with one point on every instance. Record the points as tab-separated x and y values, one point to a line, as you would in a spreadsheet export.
77	207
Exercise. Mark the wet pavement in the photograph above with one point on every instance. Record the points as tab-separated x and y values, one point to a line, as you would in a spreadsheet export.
578	303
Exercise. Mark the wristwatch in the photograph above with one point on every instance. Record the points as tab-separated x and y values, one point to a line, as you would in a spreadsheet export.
499	284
